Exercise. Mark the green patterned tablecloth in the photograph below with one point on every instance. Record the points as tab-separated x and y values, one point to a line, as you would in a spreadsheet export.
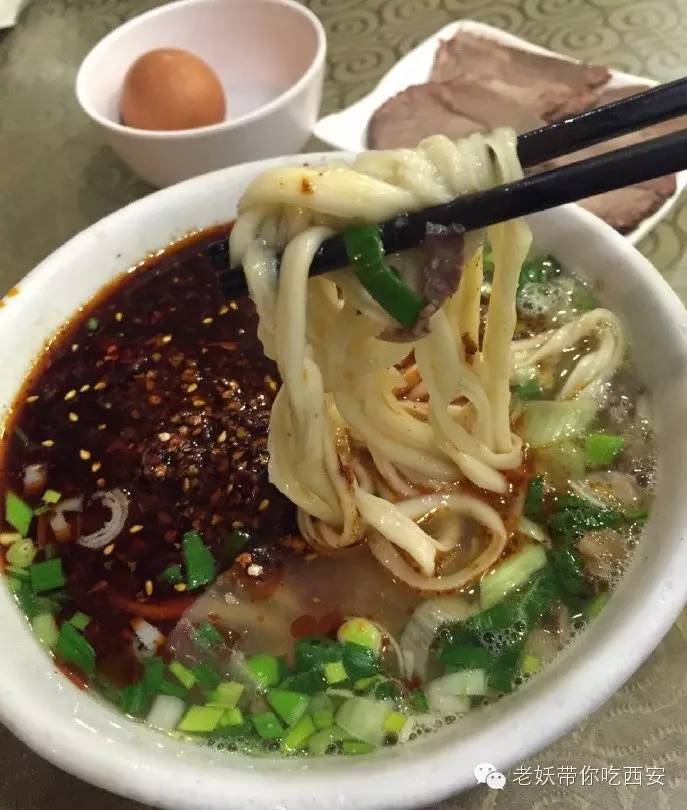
56	178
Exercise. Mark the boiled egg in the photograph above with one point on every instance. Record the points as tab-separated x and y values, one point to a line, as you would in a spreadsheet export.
170	88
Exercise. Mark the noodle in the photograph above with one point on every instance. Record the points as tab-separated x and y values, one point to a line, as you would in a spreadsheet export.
356	458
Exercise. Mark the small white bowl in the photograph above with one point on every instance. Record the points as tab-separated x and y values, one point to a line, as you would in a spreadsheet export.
269	57
81	734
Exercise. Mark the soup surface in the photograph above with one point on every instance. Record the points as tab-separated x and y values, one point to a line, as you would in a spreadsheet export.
161	568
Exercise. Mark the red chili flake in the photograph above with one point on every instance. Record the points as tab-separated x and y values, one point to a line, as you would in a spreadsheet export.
73	674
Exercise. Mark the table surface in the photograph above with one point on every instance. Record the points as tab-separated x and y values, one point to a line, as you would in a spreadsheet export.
56	178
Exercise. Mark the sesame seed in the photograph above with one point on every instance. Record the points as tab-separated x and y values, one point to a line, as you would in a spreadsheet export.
264	503
70	395
254	570
237	524
73	417
167	339
108	549
223	310
207	321
164	437
241	432
102	426
233	305
180	586
75	346
99	386
156	356
96	466
222	437
119	316
48	443
198	403
84	388
135	528
191	388
149	587
84	455
32	398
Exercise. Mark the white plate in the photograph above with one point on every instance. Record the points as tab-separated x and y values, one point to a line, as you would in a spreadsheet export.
348	129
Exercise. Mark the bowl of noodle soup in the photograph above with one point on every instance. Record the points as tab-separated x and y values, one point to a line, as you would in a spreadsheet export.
388	491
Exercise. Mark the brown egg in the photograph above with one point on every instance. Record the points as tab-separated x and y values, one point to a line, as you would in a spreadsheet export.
171	89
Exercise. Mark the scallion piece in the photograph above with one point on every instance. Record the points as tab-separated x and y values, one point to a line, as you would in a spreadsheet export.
601	448
226	693
207	677
267	725
51	496
80	620
47	576
172	575
19	573
21	554
356	747
73	648
134	699
18	513
153	675
45	628
183	674
201	719
290	706
265	669
335	672
207	636
297	736
366	254
361	631
200	564
231	717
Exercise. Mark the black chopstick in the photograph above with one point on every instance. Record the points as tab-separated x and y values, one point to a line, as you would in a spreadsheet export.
585	178
607	172
635	112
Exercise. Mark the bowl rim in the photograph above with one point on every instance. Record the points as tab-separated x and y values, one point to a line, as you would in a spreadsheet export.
223	126
432	770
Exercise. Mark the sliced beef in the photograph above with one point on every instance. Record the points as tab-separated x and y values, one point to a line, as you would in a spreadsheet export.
547	86
456	108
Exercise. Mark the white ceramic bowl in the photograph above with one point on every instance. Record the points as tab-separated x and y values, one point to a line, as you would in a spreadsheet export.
82	735
269	57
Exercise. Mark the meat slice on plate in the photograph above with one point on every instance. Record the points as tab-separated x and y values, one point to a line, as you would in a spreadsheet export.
455	108
548	86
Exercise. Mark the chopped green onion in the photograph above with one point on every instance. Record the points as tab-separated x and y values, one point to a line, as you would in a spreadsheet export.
80	620
394	722
537	270
173	689
596	604
531	664
418	700
583	298
511	574
232	717
505	668
309	683
233	543
22	553
534	498
73	648
527	390
361	631
207	636
265	669
172	575
45	628
166	712
465	656
547	422
208	678
183	674
18	513
335	672
51	496
153	674
322	711
226	693
92	324
366	255
601	448
19	573
567	569
355	747
200	564
267	725
14	585
290	706
387	690
47	576
314	653
7	538
359	661
134	700
297	736
201	719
